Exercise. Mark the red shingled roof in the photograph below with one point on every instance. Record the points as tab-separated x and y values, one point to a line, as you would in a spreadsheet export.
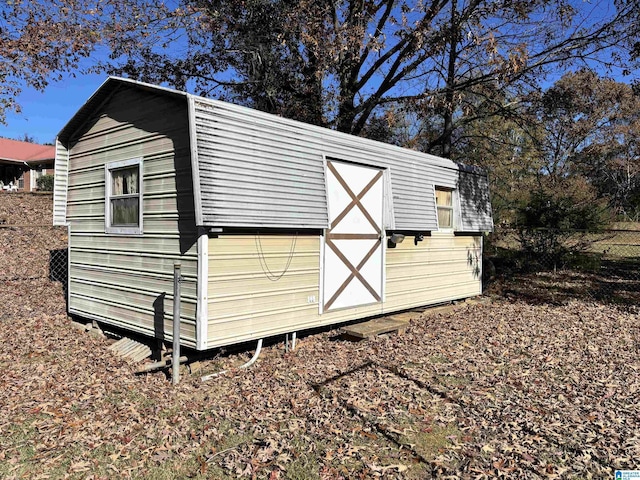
25	151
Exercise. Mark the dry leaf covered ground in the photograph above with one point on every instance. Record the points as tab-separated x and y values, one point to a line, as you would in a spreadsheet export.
511	389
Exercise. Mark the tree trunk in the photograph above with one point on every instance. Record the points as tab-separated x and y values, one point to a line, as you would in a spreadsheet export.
346	113
447	130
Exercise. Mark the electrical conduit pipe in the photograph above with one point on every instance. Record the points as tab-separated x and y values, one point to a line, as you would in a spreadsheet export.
246	365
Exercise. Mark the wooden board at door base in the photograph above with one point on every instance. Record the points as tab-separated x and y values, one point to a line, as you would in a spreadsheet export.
353	253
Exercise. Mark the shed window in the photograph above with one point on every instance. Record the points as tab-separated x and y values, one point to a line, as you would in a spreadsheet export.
123	207
444	205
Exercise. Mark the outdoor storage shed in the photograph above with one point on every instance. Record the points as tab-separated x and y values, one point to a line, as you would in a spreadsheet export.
279	226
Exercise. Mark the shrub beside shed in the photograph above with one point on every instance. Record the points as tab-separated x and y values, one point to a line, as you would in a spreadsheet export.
279	226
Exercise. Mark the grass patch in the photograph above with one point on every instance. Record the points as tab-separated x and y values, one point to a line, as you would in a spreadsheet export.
431	440
452	381
439	359
305	467
17	449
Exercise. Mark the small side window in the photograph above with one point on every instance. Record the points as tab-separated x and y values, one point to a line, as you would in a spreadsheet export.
123	202
444	206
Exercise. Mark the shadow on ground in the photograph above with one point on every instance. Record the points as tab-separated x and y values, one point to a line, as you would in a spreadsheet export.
614	282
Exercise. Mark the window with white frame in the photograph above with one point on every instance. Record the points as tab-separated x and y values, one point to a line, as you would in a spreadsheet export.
123	202
444	206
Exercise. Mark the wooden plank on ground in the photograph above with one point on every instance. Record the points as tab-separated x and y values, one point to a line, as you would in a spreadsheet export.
398	322
404	317
440	309
375	327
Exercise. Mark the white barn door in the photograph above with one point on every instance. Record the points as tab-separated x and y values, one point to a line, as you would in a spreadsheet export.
353	243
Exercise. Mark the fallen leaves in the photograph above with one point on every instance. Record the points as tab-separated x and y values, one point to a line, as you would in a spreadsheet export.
512	390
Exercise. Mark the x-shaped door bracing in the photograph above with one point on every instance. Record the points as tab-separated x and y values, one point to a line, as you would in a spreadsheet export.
355	203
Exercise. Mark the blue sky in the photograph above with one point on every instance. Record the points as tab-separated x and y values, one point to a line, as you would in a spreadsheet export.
45	113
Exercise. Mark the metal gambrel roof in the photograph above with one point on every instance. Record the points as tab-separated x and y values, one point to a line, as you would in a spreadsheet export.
252	169
261	170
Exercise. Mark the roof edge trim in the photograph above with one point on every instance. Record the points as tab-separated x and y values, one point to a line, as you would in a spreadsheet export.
195	164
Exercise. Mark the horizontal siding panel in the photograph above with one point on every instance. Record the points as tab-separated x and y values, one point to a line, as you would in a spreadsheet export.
165	205
122	280
136	320
256	146
409	299
258	266
94	192
131	260
60	180
136	147
160	164
244	303
130	295
229	289
152	225
149	283
159	245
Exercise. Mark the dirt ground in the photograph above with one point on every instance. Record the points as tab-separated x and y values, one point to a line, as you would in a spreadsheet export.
522	387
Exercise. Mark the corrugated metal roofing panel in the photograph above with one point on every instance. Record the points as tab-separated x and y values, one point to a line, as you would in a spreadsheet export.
258	169
251	177
475	204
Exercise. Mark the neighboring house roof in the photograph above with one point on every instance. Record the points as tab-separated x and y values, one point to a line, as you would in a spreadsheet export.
20	152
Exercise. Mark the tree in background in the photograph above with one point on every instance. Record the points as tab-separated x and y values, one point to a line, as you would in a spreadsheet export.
585	126
554	220
342	63
42	39
338	63
507	152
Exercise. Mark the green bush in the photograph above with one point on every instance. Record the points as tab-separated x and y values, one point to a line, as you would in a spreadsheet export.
554	225
45	183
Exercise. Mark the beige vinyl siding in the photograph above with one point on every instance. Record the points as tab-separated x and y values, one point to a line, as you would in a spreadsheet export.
127	281
247	300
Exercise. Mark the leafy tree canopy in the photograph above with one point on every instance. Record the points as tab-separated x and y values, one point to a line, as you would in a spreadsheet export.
341	63
42	39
